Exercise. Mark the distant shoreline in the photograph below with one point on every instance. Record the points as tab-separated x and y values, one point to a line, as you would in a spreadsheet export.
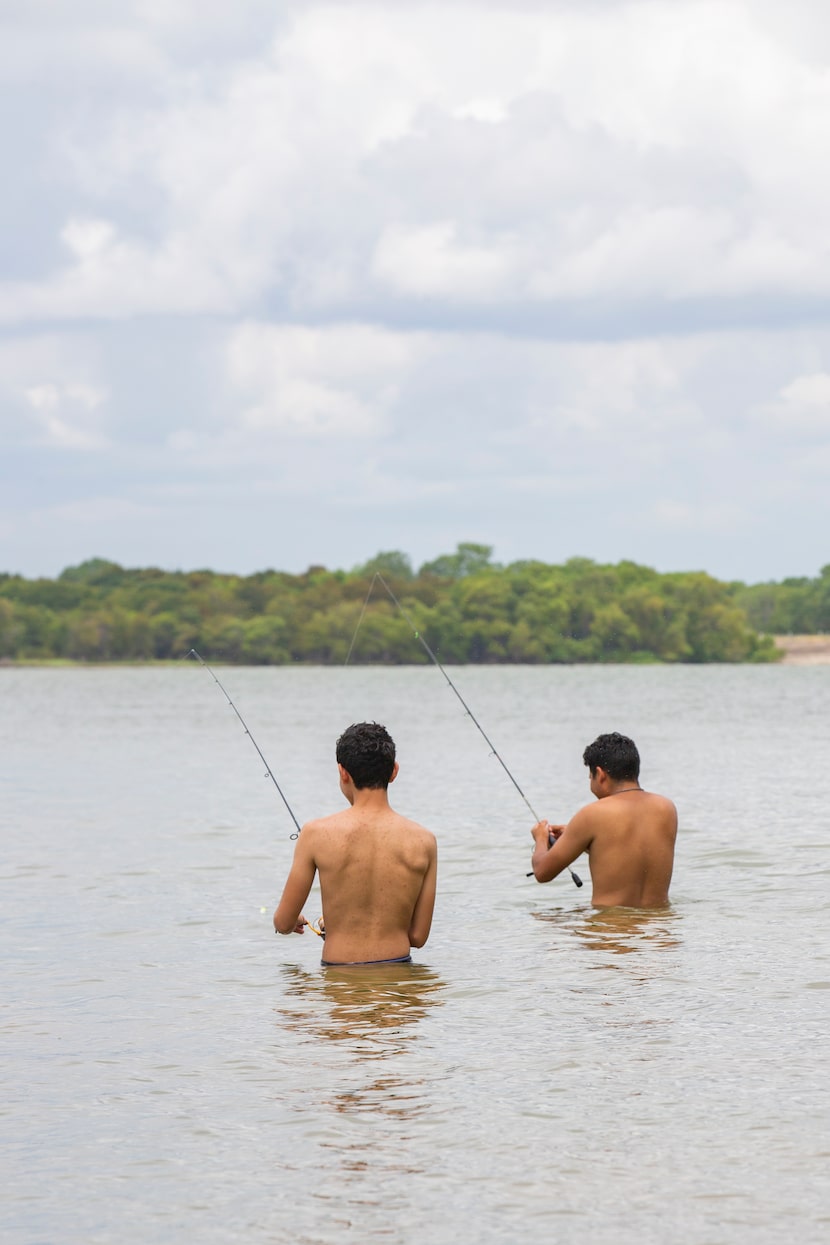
796	650
803	650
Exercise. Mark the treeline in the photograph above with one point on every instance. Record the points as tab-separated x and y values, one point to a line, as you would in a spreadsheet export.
792	607
469	610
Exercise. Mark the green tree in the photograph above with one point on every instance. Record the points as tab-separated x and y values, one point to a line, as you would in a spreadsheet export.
264	642
11	630
468	559
95	572
463	605
391	564
616	633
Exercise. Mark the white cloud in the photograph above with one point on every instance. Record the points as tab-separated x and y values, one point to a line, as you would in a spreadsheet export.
812	391
66	414
457	268
112	277
306	382
50	397
431	261
802	407
52	391
88	239
635	151
483	109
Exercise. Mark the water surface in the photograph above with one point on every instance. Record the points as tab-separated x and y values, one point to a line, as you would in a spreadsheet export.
174	1071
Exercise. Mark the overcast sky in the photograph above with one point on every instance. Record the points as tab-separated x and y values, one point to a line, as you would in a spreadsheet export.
286	283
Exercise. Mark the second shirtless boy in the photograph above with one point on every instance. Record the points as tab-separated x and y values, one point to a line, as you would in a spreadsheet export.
629	833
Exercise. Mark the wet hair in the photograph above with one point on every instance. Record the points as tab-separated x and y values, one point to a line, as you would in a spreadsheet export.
366	751
616	754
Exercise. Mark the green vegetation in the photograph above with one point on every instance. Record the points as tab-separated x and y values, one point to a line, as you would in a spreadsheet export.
793	607
469	609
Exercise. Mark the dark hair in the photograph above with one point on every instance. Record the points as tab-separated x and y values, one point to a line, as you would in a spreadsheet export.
366	751
616	754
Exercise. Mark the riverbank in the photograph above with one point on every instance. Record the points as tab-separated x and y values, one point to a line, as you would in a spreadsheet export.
804	650
796	650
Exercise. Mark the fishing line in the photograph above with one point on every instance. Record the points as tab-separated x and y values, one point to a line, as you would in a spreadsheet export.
360	619
270	773
467	709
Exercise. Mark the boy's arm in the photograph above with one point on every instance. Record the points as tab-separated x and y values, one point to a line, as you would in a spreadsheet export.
571	841
288	918
421	922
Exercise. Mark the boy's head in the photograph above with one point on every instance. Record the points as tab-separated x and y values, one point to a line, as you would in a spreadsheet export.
616	754
366	751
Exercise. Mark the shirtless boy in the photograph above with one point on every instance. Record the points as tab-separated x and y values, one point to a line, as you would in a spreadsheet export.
629	834
377	869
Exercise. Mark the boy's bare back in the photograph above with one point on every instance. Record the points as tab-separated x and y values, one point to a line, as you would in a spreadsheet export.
629	838
372	867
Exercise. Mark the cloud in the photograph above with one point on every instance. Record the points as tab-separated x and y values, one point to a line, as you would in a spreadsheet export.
564	156
64	411
802	407
111	277
338	382
52	393
430	260
379	415
550	275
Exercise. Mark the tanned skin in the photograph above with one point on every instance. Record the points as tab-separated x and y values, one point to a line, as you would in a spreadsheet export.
629	835
377	877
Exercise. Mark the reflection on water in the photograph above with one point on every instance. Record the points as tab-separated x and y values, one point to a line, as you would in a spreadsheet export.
619	931
372	1007
372	1014
633	955
630	931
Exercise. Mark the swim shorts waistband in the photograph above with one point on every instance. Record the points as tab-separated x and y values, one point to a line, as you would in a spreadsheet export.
399	959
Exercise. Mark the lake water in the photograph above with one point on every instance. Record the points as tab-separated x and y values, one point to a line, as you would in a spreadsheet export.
174	1072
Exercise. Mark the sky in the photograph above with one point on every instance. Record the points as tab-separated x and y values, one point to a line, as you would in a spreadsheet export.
292	283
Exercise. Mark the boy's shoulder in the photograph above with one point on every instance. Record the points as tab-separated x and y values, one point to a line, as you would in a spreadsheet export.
330	821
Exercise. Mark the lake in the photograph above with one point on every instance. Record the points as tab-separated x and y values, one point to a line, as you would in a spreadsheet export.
173	1071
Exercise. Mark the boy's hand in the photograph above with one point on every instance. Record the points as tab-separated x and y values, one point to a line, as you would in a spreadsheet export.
540	832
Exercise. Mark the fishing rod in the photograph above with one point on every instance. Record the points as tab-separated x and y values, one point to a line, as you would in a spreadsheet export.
467	709
270	773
